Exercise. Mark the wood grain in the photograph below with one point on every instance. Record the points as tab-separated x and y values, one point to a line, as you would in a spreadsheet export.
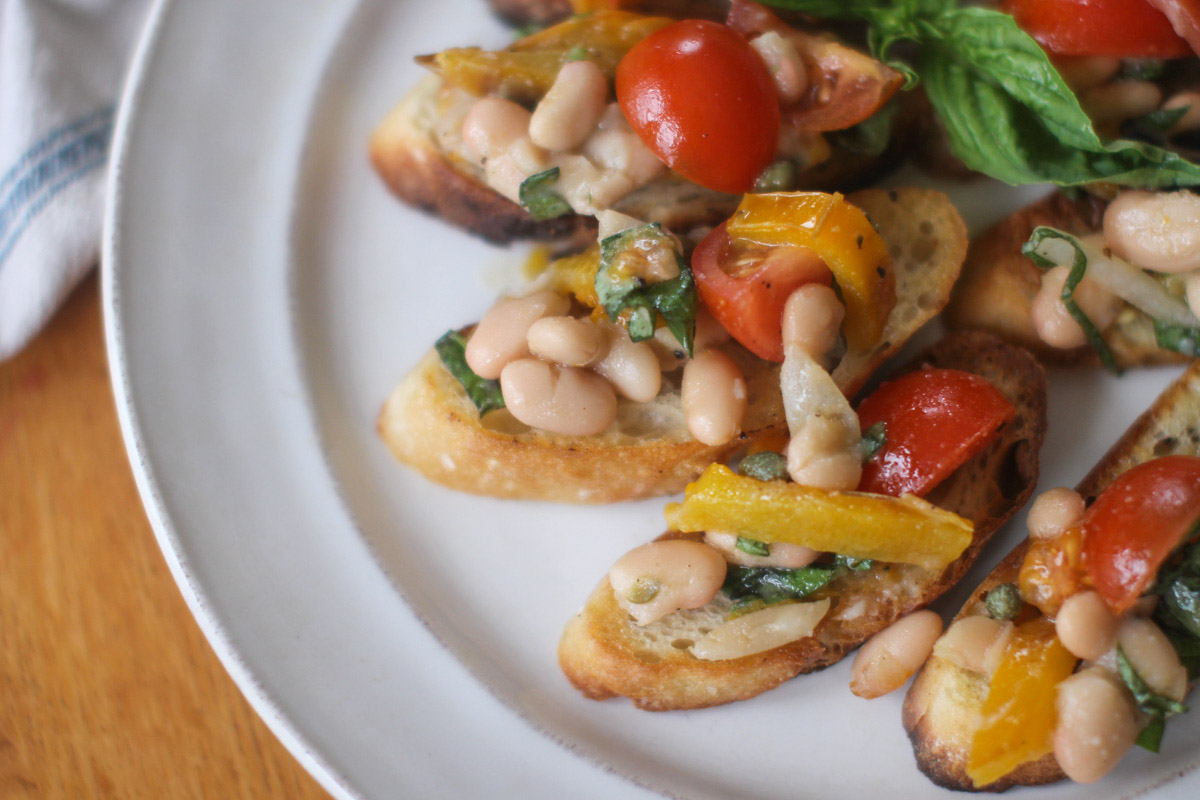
107	687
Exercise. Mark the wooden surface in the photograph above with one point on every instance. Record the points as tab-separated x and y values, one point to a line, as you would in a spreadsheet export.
107	687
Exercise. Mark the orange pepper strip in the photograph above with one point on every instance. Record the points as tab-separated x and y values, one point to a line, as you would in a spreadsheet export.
842	236
897	529
1018	715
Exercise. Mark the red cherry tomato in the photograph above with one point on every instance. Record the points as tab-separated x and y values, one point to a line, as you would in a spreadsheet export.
934	421
701	98
1136	522
1185	18
1121	28
748	299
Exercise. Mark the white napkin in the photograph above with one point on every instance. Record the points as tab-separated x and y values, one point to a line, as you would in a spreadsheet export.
61	65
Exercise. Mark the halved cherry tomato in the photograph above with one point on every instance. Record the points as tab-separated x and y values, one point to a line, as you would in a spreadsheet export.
1136	522
1185	18
747	297
1121	28
701	98
934	421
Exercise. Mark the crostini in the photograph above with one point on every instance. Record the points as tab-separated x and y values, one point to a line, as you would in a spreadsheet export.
531	142
705	633
651	444
1085	638
1089	281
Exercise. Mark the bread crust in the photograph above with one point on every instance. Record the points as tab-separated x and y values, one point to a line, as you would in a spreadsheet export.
599	651
998	285
942	705
429	423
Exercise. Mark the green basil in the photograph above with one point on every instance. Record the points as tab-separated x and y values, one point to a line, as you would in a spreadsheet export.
775	584
753	547
484	393
1178	610
1177	338
1032	251
874	439
1155	705
1155	126
765	466
853	564
620	289
1006	110
539	198
1142	69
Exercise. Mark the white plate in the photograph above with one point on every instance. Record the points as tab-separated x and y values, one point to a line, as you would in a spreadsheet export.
264	294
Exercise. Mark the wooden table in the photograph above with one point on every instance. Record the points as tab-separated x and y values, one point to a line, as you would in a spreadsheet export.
107	687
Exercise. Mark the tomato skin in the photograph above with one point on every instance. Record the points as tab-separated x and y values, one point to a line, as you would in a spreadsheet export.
701	98
1185	18
1136	522
1121	28
935	421
750	305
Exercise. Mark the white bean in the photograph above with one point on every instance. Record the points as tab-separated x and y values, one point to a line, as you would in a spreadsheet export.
812	319
1158	231
779	554
501	336
784	64
567	400
661	578
492	125
1086	72
565	340
1152	656
1054	324
891	656
709	333
613	222
975	643
714	397
631	367
1086	625
1096	724
1192	292
1053	512
568	113
1190	120
825	455
1113	103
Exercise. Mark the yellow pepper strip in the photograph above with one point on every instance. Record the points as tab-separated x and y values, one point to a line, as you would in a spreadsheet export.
898	529
1018	715
526	69
576	275
842	236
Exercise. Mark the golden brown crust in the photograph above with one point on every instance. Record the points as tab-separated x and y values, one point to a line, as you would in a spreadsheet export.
543	12
998	285
600	653
940	710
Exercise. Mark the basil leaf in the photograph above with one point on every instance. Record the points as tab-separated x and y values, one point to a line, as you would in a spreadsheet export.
484	393
1147	700
753	547
1153	127
1142	69
874	439
765	466
1151	735
537	195
1177	338
1182	601
1035	250
853	564
619	287
775	584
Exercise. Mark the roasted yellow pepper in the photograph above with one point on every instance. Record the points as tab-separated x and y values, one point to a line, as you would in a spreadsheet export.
1018	716
842	236
899	529
526	69
576	275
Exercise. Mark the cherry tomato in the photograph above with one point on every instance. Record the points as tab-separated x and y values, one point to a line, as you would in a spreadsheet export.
701	98
934	421
1121	28
1136	522
747	295
1185	18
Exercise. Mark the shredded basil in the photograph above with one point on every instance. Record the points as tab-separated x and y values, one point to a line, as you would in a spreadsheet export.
853	564
484	393
1177	338
538	196
1156	706
1142	69
753	547
874	439
1032	251
775	584
765	466
1006	110
1178	611
620	288
1155	126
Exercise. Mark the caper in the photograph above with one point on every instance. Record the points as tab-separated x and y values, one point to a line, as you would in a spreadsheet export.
765	466
779	176
1003	602
643	591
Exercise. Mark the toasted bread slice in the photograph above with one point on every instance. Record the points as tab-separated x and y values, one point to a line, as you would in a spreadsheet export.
943	704
998	286
430	424
406	152
544	12
604	654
